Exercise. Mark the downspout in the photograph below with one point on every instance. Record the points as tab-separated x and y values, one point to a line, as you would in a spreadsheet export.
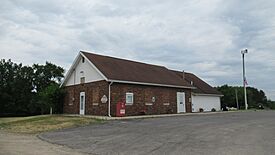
109	100
74	87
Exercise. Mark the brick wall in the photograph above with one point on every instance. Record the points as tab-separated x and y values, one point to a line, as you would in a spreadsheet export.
165	98
94	91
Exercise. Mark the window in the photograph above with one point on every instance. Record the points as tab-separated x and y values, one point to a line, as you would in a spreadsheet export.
82	80
83	59
129	98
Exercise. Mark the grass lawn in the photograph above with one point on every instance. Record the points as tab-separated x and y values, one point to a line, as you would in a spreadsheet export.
38	124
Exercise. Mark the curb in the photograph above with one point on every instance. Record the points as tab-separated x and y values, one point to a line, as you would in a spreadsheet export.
146	116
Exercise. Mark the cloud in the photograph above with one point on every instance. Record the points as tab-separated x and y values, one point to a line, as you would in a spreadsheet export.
203	37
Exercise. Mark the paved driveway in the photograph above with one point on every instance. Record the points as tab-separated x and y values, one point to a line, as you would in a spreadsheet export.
214	134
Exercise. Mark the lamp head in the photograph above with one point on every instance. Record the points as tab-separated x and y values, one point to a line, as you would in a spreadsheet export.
244	51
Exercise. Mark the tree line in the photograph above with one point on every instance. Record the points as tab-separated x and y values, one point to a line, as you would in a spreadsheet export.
30	90
235	94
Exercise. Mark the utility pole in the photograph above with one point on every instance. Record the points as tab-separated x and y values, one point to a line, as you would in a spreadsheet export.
237	100
243	52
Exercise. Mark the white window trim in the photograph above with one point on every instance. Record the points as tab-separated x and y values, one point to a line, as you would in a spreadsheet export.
129	103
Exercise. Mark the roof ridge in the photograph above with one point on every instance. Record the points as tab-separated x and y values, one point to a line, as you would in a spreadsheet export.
133	61
192	76
129	70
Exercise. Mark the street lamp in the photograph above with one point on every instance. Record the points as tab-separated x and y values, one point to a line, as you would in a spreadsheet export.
243	52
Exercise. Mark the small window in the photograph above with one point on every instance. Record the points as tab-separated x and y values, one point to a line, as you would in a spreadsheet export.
82	80
129	98
81	73
83	59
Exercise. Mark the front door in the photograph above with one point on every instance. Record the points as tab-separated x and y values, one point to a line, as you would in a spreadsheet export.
82	103
181	102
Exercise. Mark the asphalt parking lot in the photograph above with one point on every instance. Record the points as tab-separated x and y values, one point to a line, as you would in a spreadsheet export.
215	134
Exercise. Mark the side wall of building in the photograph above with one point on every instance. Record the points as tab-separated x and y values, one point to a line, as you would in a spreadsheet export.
94	91
165	99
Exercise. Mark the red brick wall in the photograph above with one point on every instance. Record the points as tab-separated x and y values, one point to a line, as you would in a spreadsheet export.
93	94
142	95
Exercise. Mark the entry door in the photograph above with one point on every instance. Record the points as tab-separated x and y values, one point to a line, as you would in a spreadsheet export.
181	102
82	103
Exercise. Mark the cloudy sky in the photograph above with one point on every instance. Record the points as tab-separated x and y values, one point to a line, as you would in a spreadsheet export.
199	36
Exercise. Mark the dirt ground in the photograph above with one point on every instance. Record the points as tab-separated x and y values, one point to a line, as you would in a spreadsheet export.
20	144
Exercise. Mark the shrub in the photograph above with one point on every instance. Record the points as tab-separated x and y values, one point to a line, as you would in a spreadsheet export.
213	110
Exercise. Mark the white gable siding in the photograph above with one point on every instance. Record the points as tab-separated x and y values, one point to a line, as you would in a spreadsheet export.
89	73
205	102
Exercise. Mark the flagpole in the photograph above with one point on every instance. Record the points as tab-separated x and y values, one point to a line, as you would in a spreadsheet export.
244	79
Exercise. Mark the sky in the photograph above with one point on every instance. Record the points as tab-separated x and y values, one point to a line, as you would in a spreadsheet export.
198	36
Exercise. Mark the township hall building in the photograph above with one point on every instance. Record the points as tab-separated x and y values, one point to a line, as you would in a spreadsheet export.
95	84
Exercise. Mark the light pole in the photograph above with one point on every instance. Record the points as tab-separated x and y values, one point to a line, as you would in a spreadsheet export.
237	100
243	52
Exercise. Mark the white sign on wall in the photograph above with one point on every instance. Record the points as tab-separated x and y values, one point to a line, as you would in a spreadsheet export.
104	99
153	99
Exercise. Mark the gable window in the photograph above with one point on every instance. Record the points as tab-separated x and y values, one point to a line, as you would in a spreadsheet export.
82	80
82	77
129	98
83	59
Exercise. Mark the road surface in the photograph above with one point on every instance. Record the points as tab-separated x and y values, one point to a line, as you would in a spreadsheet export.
244	133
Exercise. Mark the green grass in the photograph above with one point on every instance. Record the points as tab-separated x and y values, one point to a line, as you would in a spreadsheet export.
43	123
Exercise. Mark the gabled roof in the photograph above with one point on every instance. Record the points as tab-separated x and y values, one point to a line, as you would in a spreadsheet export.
201	86
126	71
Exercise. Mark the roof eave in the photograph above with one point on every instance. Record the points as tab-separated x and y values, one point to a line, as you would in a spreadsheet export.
202	94
70	70
150	84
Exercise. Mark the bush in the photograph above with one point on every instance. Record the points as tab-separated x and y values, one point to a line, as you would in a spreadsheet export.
272	106
201	110
213	110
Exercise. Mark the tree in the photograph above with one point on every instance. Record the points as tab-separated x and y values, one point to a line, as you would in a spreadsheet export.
47	79
15	87
271	104
51	97
26	90
254	96
47	74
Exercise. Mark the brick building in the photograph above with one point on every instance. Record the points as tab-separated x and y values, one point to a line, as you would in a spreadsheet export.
95	84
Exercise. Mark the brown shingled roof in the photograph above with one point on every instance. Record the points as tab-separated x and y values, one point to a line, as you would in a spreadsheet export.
202	87
126	70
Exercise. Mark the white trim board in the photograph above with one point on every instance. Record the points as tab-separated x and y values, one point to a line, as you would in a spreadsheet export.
150	84
216	95
74	66
105	78
70	70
